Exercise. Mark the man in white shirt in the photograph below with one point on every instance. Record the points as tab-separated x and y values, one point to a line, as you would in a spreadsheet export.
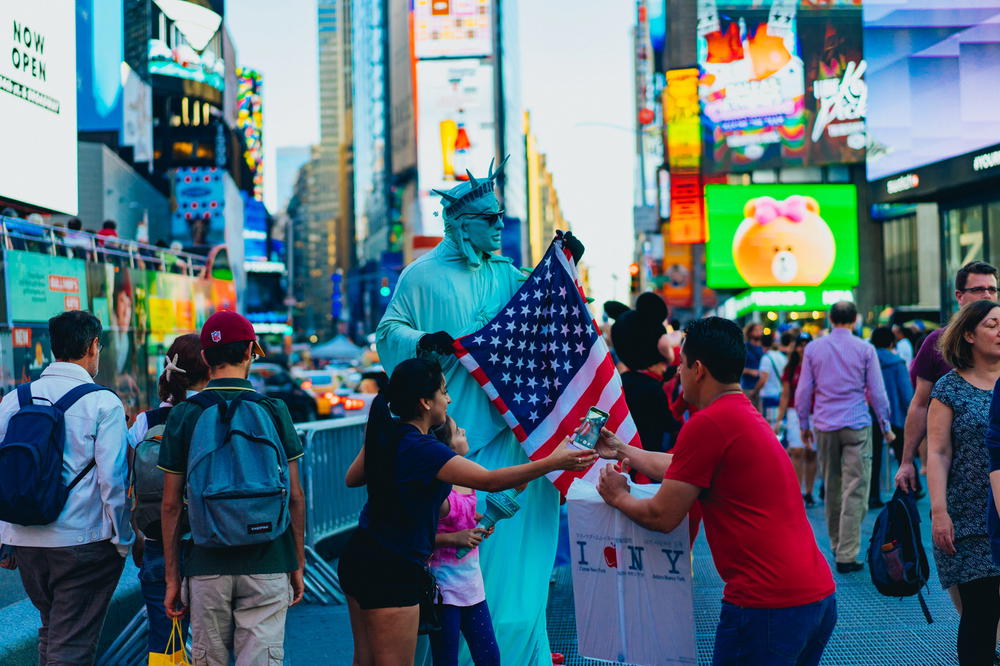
772	363
70	567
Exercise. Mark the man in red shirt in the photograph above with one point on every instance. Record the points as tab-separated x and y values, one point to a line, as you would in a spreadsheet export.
779	604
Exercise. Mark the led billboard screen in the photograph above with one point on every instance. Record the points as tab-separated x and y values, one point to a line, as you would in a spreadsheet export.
38	104
187	43
752	87
100	50
452	28
933	66
250	122
782	236
456	128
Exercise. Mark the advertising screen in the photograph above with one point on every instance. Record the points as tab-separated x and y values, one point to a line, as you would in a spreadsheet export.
38	104
249	121
782	236
100	30
456	129
452	28
933	68
752	87
199	204
836	90
186	43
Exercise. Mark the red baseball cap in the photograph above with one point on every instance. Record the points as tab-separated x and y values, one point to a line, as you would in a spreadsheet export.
226	326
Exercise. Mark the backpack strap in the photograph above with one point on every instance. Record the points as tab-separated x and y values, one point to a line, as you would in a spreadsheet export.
158	416
24	395
75	393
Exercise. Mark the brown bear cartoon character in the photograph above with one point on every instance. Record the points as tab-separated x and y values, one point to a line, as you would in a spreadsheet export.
783	243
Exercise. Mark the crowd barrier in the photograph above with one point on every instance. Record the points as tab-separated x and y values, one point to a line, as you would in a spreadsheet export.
331	509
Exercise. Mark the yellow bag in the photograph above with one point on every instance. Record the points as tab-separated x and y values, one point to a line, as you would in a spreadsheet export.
176	652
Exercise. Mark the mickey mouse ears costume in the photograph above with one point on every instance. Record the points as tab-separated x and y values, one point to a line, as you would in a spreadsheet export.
635	333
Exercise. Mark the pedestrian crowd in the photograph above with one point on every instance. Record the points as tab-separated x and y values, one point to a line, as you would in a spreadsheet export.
204	489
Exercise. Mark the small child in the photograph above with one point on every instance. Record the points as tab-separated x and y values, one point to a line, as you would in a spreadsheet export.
461	580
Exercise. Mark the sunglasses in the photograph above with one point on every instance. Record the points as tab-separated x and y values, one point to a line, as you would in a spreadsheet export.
491	218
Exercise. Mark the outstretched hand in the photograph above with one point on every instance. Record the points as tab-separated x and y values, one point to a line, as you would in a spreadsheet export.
573	244
608	445
570	459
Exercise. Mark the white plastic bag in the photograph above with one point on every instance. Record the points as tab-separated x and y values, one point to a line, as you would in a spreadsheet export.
632	586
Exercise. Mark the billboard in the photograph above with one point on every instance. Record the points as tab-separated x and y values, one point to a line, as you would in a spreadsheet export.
100	50
199	197
752	88
933	66
38	104
403	121
186	43
41	286
680	104
456	129
137	121
250	123
782	236
452	28
836	91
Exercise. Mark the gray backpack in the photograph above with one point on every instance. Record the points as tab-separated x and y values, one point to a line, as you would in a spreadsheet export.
146	483
237	473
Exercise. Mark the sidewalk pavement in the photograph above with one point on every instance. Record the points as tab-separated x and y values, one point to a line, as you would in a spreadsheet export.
872	630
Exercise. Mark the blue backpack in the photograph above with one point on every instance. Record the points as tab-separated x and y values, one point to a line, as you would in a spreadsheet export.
897	560
237	473
32	491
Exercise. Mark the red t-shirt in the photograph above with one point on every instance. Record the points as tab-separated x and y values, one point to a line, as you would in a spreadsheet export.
755	520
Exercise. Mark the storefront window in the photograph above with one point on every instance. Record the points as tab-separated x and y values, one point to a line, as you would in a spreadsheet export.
963	231
993	227
901	269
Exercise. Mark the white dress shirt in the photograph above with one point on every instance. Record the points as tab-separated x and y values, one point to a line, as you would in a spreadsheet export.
97	507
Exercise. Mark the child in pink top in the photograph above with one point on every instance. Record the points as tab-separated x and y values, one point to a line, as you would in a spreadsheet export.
464	608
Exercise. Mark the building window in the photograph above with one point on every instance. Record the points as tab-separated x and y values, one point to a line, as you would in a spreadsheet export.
963	237
901	269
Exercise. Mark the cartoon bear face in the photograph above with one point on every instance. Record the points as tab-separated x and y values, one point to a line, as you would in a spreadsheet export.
783	243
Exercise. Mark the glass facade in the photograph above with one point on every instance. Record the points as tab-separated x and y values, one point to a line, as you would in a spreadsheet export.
902	284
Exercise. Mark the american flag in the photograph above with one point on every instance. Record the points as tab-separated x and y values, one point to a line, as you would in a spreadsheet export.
543	364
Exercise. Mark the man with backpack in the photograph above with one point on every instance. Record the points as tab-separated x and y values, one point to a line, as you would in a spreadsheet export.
235	452
63	496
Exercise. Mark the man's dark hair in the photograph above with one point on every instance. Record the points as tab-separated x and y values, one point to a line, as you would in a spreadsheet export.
718	344
230	353
787	338
74	223
109	224
71	334
767	340
883	338
978	267
844	312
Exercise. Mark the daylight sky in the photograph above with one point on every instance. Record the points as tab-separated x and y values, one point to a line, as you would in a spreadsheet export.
576	80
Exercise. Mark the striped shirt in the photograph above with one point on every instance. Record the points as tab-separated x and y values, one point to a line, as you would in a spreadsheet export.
840	378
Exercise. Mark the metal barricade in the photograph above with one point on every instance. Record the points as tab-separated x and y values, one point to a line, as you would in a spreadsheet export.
331	446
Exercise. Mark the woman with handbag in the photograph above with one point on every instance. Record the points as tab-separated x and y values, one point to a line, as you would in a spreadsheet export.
409	473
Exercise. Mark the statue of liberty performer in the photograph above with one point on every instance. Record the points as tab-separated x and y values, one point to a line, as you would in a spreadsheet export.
453	290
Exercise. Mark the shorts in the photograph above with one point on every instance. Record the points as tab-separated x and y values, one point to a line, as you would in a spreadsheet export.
793	431
378	578
769	405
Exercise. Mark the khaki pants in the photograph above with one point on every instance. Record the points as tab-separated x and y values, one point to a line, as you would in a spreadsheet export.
244	615
846	457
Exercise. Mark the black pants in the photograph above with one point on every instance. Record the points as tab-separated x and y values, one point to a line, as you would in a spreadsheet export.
72	588
977	630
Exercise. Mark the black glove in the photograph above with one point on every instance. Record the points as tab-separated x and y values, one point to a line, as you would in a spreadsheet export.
573	244
440	343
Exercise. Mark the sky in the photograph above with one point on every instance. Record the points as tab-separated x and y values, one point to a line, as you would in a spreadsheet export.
576	81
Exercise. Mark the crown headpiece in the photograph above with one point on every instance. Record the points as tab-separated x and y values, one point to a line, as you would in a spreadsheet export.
456	201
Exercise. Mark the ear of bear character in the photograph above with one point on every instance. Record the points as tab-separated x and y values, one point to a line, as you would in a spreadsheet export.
651	307
614	309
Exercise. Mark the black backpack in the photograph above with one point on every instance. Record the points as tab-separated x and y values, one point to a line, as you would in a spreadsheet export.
896	557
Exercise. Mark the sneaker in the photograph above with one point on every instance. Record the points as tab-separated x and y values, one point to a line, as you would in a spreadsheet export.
849	567
808	499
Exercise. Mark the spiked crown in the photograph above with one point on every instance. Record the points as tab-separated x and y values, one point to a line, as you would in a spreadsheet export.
460	199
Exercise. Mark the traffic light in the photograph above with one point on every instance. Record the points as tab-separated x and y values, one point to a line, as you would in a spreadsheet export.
385	291
633	272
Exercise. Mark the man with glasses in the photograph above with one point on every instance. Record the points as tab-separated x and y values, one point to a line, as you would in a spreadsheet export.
975	281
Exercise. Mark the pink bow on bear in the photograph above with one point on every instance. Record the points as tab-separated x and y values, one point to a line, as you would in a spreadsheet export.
793	208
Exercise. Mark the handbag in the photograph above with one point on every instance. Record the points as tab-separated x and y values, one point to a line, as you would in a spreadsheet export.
176	652
430	602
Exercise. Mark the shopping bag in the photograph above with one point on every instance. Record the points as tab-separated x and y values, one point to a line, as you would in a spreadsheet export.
176	652
631	586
